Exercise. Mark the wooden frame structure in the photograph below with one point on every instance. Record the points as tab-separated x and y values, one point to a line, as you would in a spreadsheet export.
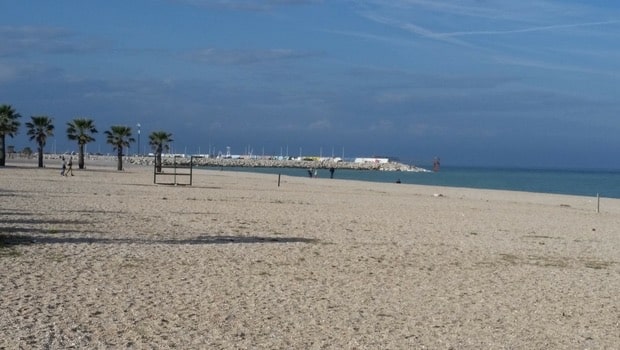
178	171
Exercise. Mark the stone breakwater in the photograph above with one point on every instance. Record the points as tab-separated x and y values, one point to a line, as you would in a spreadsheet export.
234	162
275	163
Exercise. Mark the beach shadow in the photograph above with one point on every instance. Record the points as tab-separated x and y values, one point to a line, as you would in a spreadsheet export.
93	211
167	184
5	193
239	239
43	221
35	230
21	228
28	229
11	240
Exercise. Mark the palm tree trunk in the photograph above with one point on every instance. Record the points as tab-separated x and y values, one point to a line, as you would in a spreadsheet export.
40	155
119	165
2	150
158	161
81	157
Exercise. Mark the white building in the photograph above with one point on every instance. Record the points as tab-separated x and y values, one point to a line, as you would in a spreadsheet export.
372	160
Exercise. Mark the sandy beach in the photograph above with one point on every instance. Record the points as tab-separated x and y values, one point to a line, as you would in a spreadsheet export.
107	259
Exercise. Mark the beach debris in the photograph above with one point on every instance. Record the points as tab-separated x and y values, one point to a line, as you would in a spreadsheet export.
437	195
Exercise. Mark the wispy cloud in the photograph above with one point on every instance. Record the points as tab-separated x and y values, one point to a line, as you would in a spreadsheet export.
11	72
49	40
527	30
247	5
371	36
532	63
526	11
501	32
320	124
413	28
243	57
437	19
7	72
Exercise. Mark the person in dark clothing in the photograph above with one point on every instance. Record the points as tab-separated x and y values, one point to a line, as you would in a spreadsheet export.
69	167
64	166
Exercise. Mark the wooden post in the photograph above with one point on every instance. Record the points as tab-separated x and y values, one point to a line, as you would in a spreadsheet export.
191	169
174	166
598	203
279	180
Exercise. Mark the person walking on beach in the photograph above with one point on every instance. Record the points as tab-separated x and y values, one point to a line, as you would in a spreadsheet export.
70	167
331	172
64	166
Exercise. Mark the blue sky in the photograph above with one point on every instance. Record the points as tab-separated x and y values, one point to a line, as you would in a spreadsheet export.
475	82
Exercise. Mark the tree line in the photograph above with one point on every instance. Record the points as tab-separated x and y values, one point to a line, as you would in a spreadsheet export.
80	130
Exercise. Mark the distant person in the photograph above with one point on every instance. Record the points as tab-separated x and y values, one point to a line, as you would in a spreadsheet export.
69	167
331	172
310	172
64	166
398	181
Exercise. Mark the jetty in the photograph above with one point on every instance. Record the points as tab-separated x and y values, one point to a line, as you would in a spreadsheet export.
273	163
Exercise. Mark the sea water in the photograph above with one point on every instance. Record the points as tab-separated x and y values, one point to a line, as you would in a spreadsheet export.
606	183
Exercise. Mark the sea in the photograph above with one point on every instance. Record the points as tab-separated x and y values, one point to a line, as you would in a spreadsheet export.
604	183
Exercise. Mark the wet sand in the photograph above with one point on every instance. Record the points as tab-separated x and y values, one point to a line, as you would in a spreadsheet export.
107	259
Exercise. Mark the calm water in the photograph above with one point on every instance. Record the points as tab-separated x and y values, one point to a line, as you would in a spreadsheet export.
573	182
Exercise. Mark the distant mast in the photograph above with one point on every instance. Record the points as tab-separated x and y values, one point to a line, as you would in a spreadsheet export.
436	164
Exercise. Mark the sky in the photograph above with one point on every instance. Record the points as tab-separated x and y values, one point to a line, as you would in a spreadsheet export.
529	83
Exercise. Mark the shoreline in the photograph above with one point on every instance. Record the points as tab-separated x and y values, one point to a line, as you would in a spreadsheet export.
109	163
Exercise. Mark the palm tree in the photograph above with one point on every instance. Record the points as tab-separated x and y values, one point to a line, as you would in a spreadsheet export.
119	136
39	129
8	127
159	141
80	130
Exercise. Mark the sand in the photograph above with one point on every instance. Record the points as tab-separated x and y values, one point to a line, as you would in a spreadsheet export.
107	259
